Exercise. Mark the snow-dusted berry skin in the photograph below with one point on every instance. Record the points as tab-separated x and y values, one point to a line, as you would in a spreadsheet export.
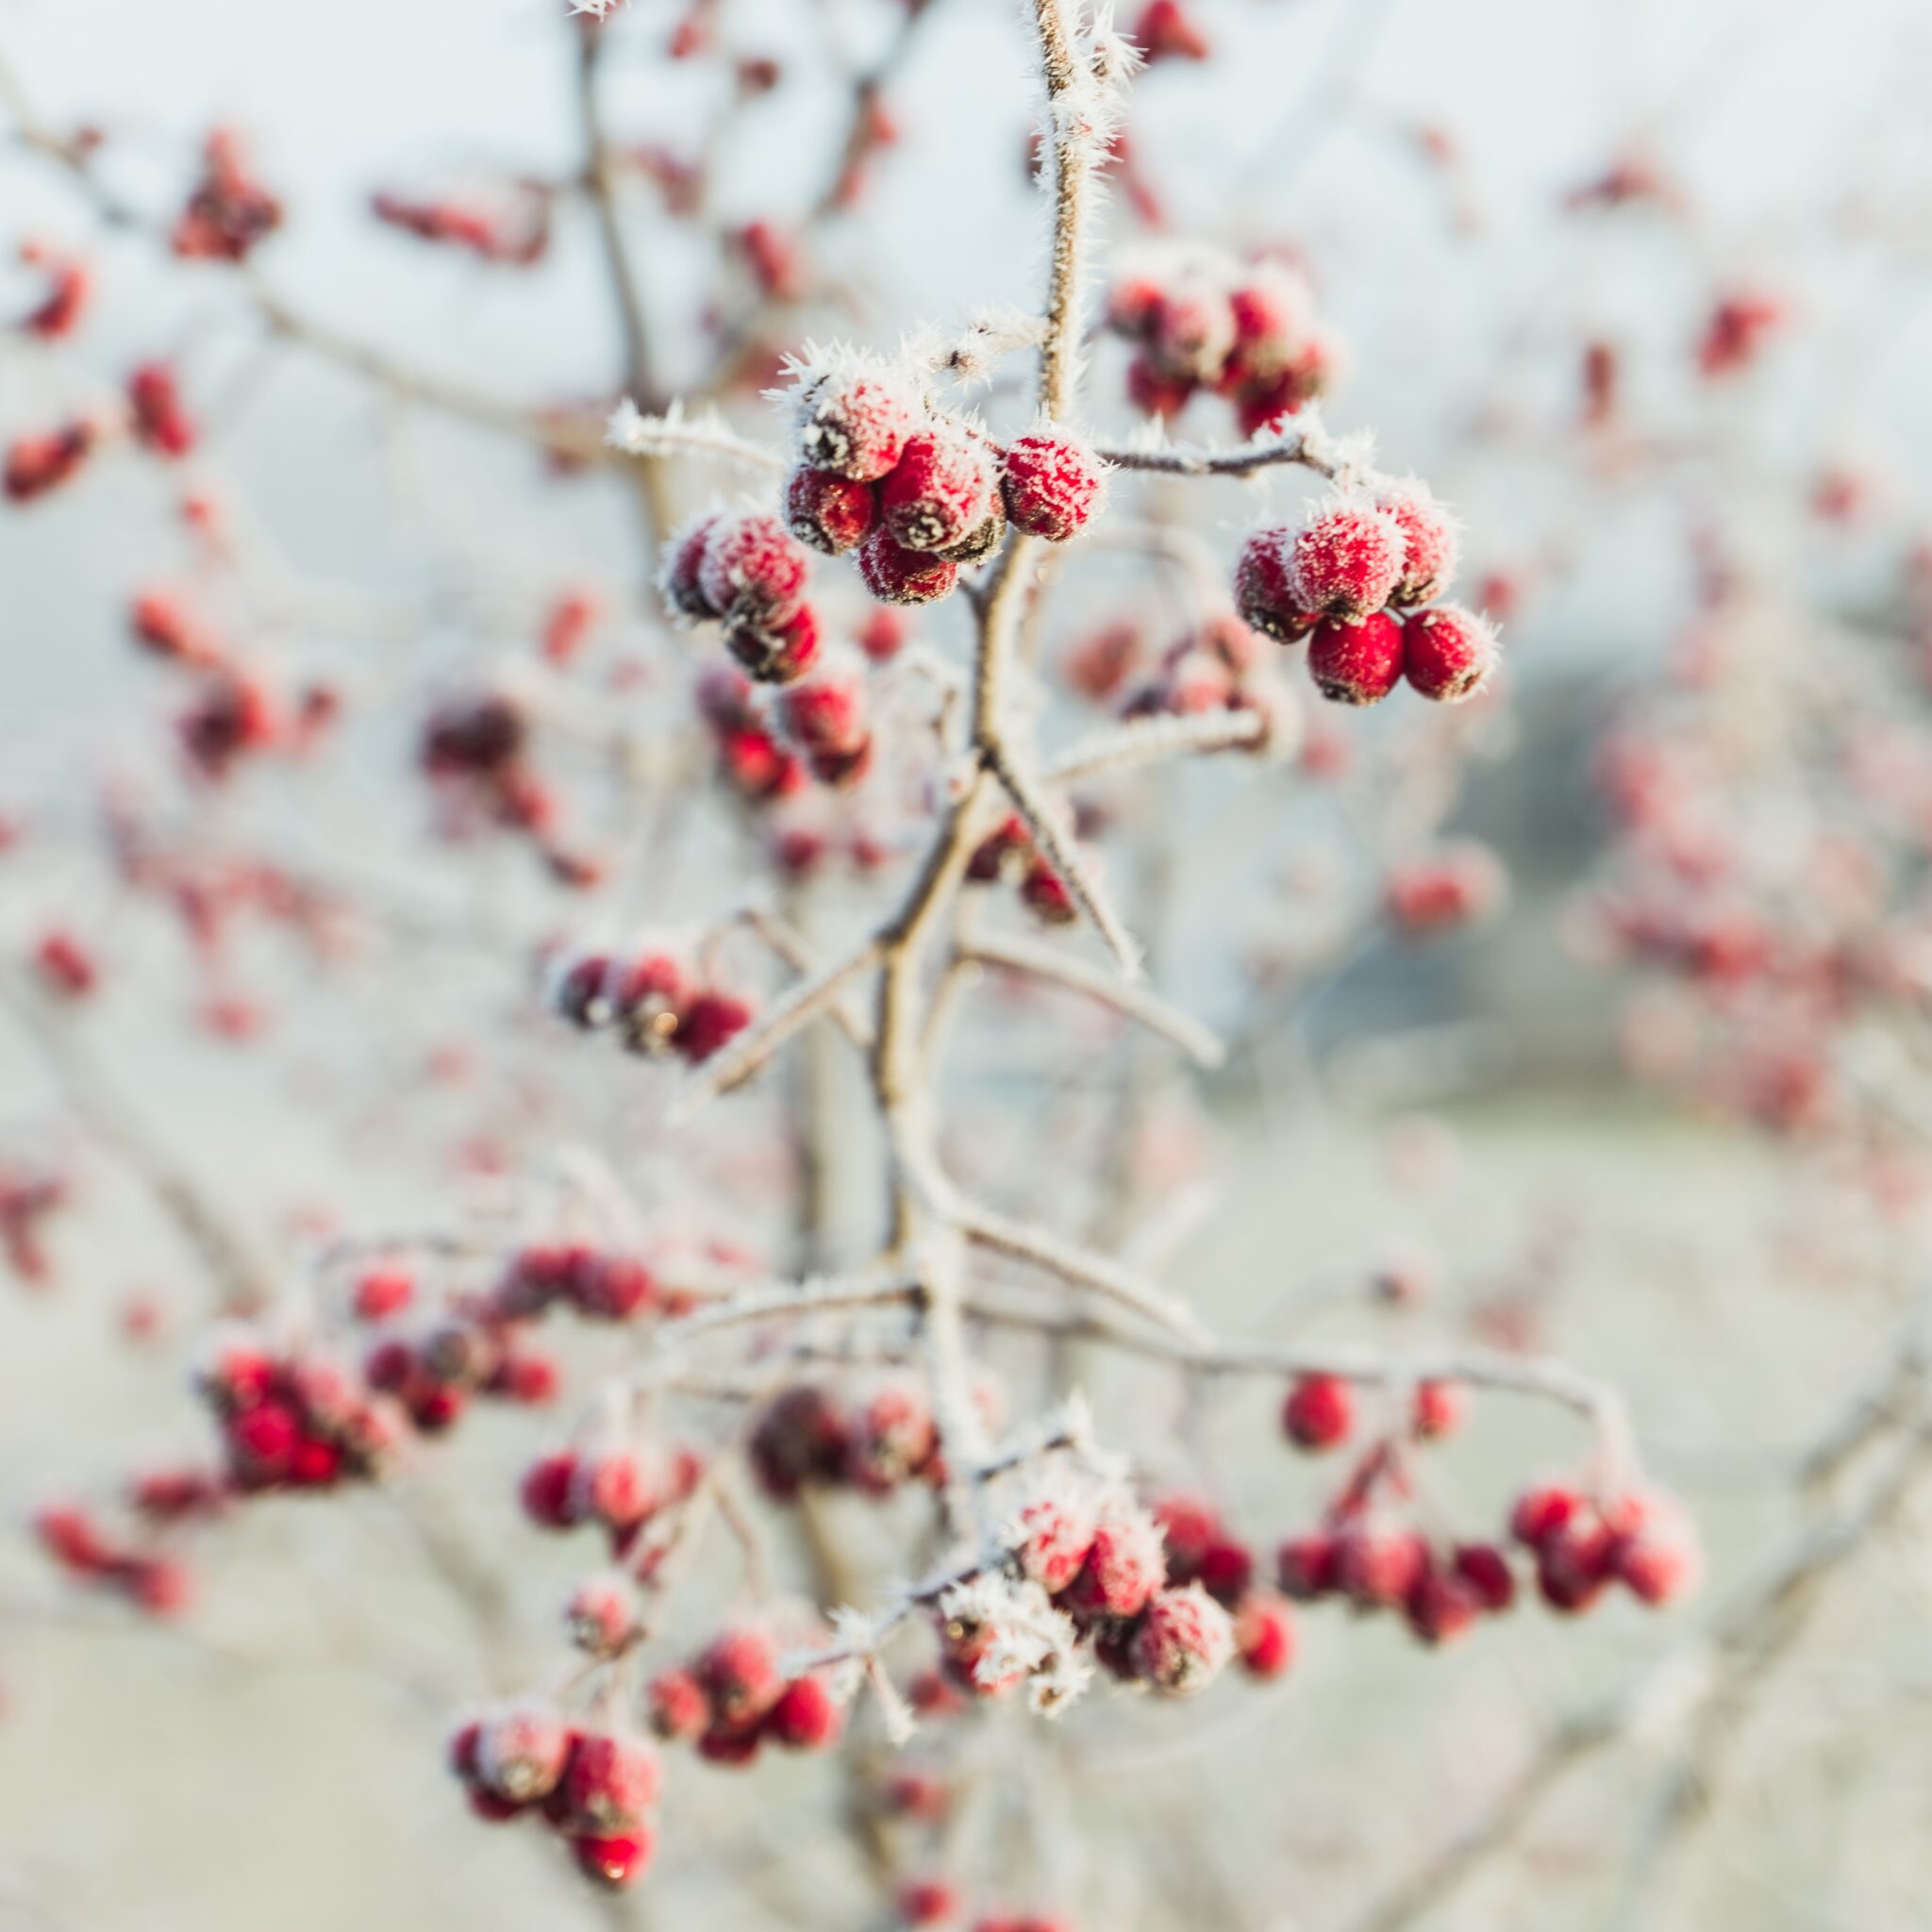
827	512
856	424
1431	544
807	1717
677	1706
1183	1641
1543	1514
1051	483
776	654
1346	559
1057	1532
753	570
1264	591
895	574
1448	653
1318	1412
1125	1567
521	1753
739	1675
1357	662
1653	1552
683	558
943	489
611	1783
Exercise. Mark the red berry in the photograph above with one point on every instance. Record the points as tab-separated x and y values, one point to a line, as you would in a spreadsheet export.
753	570
806	1717
827	512
1182	1641
1157	392
1124	1566
1058	1533
738	1673
1430	542
943	488
1357	662
1441	1607
679	1709
708	1022
1449	888
1264	1634
610	1782
1448	653
1574	1565
926	1902
615	1859
1345	560
776	653
895	574
1051	483
891	1438
1437	1408
1264	591
601	1615
1304	1567
549	1491
1166	31
1377	1568
684	558
1544	1512
519	1754
856	423
1486	1571
1318	1412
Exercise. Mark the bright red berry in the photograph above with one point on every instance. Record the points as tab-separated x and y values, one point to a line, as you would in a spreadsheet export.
1448	653
1357	662
1318	1412
1051	482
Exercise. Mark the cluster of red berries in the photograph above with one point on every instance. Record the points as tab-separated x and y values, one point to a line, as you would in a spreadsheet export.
650	1003
1008	852
1374	1562
618	1485
826	718
1246	331
229	211
1357	572
86	1553
475	749
754	760
38	465
297	1420
1582	1544
476	1350
511	231
807	1438
598	1789
1202	1548
733	1697
1103	1564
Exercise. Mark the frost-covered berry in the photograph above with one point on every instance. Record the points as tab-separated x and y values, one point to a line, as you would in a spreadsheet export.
1056	1532
1653	1552
856	422
753	570
521	1753
679	580
601	1615
778	653
1377	1567
891	1438
739	1675
806	1717
1318	1412
829	513
1357	662
943	489
610	1782
1437	1407
1345	559
801	1438
1430	542
1264	1634
1124	1567
1448	653
895	574
677	1706
614	1859
1051	482
978	544
1264	593
1183	1641
614	1489
1575	1564
1157	392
